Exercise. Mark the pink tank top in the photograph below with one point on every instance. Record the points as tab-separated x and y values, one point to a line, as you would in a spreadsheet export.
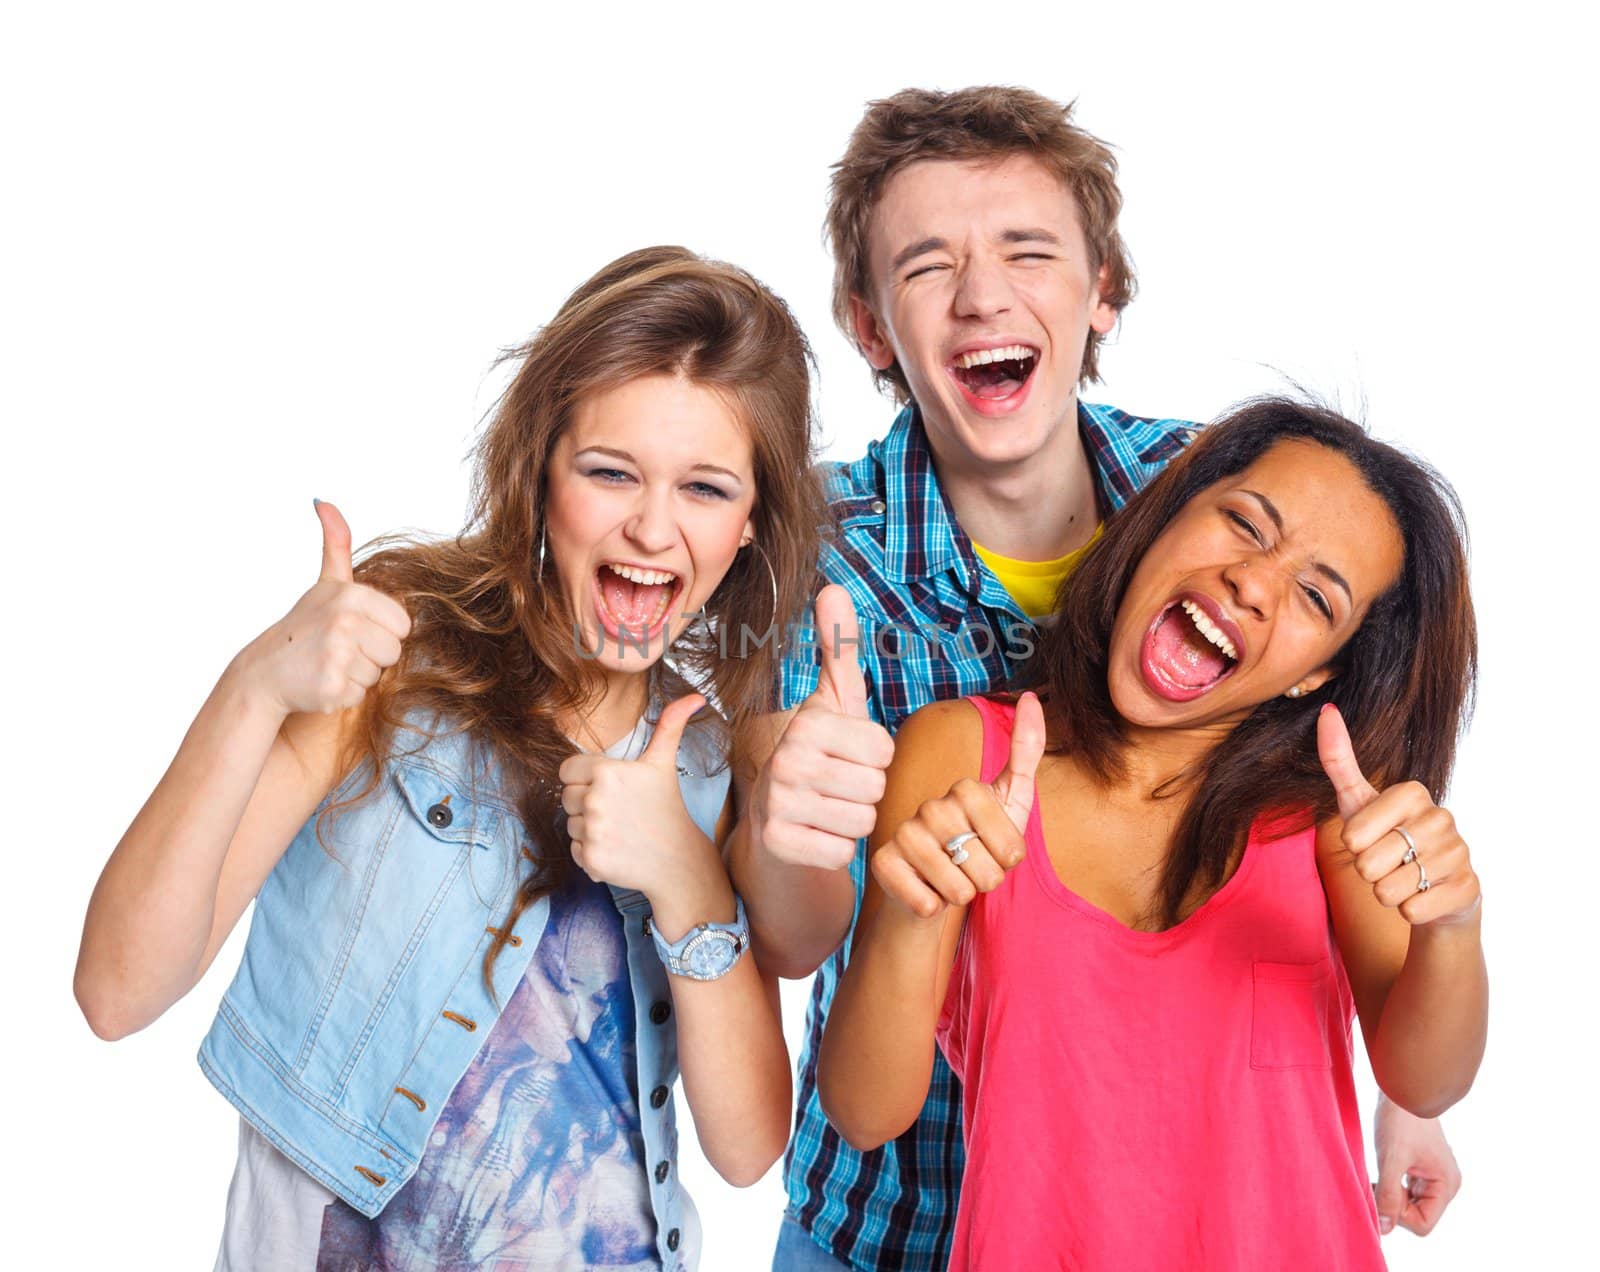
1156	1100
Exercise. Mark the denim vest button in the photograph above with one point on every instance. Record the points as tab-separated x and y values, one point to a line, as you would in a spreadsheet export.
658	1097
439	815
672	1240
662	1168
659	1013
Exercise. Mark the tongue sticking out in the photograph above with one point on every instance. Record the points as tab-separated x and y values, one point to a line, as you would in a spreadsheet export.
1183	655
634	606
995	379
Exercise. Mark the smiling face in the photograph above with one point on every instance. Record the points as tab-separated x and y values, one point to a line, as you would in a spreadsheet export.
648	498
983	290
1251	590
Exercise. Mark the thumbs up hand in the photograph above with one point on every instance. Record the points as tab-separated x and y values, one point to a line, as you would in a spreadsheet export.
327	651
626	818
985	821
818	792
1402	843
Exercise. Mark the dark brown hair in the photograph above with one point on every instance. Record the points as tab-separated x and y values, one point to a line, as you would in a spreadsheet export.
971	123
492	650
1405	678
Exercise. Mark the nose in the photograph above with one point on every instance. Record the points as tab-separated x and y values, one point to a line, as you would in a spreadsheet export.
982	288
652	528
1252	587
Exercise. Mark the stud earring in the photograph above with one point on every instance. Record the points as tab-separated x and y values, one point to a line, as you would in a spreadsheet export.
1296	691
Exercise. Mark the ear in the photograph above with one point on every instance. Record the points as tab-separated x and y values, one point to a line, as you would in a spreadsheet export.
1314	680
1102	317
747	536
871	338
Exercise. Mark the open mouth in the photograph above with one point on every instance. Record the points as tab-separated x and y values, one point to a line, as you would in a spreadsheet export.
994	377
633	602
1188	650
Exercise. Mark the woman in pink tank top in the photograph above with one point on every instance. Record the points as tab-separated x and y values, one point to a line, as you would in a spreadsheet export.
1141	919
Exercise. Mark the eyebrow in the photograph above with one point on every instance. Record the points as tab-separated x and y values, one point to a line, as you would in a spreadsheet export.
1030	234
623	455
1327	571
1033	234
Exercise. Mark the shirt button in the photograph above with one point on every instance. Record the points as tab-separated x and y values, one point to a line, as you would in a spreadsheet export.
658	1097
440	815
661	1172
879	506
659	1013
672	1240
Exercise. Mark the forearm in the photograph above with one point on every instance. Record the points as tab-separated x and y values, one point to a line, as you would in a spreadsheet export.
877	1051
149	921
1430	1036
799	915
731	1050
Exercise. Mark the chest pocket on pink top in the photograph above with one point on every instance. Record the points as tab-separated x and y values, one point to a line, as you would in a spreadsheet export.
1289	1024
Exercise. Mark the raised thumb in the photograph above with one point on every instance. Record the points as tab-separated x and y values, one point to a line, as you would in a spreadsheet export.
1338	756
1014	786
335	543
663	747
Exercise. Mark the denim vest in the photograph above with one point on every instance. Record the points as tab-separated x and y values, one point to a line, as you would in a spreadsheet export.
360	1000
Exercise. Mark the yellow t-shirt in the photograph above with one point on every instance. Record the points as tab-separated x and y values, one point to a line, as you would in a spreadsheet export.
1034	584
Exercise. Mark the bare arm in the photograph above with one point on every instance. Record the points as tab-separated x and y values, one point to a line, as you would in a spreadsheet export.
731	1048
811	795
1414	955
1421	990
799	914
877	1050
257	760
629	827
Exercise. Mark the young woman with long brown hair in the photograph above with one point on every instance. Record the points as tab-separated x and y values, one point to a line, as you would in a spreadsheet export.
474	787
1139	917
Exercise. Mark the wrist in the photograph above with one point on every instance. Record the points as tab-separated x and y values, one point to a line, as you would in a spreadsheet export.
242	687
699	894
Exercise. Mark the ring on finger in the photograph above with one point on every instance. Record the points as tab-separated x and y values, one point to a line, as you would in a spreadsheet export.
1411	845
956	846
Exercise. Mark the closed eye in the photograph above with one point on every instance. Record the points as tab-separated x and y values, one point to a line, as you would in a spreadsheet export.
1320	601
925	269
1244	523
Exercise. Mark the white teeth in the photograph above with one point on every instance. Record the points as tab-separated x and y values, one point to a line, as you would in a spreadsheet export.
635	575
979	357
1210	630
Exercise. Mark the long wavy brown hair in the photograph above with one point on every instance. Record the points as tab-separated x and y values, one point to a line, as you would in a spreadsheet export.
492	650
1404	681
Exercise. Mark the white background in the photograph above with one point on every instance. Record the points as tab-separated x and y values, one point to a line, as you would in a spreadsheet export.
250	257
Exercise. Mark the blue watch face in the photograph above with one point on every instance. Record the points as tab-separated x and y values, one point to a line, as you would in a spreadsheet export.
710	955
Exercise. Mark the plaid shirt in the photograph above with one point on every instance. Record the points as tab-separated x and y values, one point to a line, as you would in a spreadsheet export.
935	624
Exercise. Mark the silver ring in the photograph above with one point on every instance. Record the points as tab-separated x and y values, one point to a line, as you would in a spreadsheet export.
959	854
1422	877
1411	845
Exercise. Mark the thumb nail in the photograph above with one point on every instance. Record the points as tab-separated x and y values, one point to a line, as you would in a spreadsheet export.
1385	1224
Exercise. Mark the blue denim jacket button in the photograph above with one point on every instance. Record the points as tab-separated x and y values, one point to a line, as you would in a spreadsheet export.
440	815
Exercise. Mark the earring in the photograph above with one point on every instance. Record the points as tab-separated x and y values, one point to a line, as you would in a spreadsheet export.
538	570
1296	691
772	578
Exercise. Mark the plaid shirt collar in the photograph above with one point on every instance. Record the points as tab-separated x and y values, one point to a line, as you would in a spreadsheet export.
921	535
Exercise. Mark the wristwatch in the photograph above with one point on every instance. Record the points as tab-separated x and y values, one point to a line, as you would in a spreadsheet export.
709	951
